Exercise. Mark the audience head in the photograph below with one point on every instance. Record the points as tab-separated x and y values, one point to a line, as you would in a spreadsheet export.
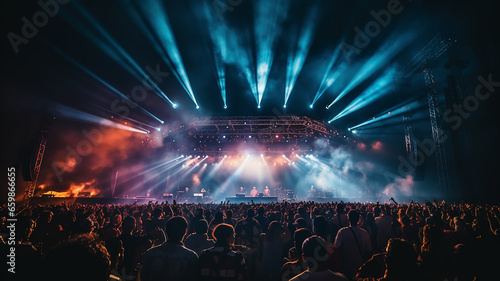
298	238
321	227
201	227
340	208
128	225
353	217
250	213
401	258
224	234
82	257
176	228
300	223
229	214
274	231
157	212
261	211
82	226
315	253
219	216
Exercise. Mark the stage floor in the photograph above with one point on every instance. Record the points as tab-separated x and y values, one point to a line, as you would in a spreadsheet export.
237	200
206	200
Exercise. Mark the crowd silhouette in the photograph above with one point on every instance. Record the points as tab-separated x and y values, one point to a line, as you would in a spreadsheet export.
274	241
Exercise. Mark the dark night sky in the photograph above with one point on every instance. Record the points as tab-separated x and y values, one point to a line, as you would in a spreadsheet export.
37	78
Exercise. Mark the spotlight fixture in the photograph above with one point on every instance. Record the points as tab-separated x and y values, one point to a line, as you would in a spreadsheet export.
197	106
174	105
258	106
284	106
225	106
311	106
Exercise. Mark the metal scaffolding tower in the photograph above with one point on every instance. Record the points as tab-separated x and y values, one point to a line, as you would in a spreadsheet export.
437	132
35	165
423	63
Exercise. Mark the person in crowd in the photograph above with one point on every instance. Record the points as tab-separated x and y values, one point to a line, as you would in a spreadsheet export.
315	254
114	246
271	251
134	246
354	245
296	264
247	234
322	229
218	218
248	230
229	218
171	260
302	213
300	223
371	227
114	228
81	258
398	262
384	227
262	218
198	215
339	219
199	240
220	262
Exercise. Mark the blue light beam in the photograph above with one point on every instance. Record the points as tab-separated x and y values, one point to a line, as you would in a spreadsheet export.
301	44
375	91
389	50
114	50
268	17
156	14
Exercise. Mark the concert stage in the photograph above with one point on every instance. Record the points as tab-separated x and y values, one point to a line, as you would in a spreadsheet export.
238	199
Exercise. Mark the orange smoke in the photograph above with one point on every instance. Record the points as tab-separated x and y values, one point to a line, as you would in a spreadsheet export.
85	189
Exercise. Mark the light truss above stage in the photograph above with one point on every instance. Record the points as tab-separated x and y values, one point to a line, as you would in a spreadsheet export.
270	134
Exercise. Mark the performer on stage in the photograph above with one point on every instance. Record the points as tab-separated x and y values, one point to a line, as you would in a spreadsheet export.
254	192
267	192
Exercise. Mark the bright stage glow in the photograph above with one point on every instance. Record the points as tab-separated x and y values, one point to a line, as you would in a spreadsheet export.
310	106
225	106
174	105
197	107
284	106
